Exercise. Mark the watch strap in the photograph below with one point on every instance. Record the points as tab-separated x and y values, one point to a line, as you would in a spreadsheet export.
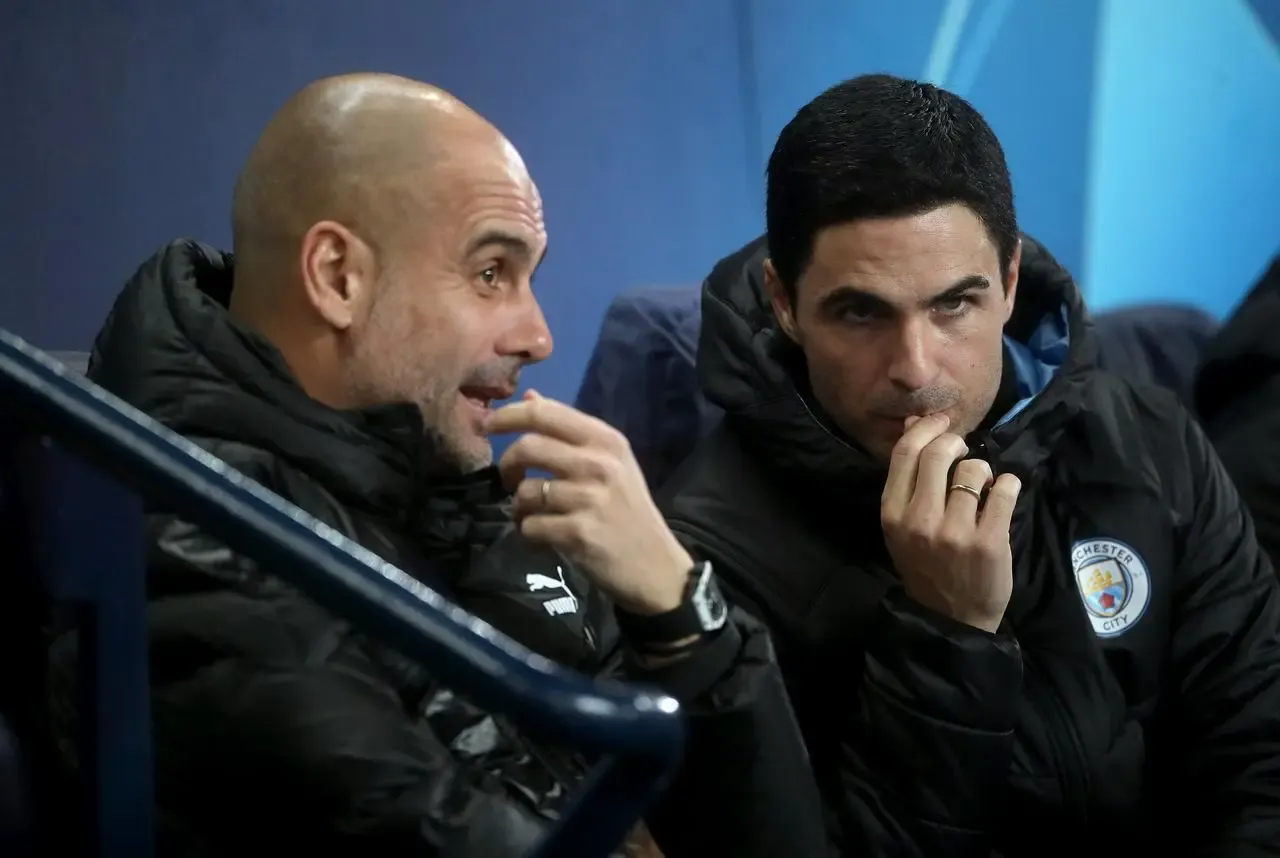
701	613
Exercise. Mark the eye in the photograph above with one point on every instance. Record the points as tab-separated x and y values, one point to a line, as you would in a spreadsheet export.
862	313
491	275
856	315
858	310
954	305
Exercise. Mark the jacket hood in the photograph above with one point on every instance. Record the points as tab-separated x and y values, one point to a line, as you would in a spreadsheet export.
748	367
170	348
1245	353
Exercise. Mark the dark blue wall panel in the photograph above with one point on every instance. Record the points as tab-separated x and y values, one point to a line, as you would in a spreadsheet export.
1142	133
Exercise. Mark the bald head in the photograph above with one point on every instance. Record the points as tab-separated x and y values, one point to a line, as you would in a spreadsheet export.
386	238
357	149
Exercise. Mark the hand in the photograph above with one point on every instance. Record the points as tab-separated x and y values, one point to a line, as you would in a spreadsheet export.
951	552
597	511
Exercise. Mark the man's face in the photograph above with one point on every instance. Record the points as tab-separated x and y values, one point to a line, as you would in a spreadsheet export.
899	317
453	318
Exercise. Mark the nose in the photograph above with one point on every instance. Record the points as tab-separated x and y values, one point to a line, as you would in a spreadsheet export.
913	364
528	338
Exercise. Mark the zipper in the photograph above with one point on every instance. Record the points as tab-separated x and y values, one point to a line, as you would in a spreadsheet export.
1074	779
1076	786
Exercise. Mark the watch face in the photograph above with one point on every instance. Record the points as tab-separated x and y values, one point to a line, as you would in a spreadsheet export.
709	602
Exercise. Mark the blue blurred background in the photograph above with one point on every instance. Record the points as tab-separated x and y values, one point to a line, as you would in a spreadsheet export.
1143	135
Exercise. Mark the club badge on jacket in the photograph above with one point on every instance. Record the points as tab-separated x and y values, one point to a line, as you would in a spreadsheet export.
1113	583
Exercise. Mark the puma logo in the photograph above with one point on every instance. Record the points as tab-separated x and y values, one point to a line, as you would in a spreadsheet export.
566	604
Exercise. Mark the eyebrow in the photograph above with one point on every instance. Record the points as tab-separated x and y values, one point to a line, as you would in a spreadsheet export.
842	295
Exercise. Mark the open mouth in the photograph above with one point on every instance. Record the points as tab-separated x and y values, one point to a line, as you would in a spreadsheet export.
484	399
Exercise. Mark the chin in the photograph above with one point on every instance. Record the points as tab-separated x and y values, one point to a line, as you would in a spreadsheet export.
458	454
878	441
482	459
472	458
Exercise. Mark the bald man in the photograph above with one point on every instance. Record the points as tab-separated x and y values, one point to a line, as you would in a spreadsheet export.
351	359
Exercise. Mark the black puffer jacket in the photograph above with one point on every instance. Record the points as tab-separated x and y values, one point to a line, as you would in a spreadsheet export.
1133	696
1238	399
277	727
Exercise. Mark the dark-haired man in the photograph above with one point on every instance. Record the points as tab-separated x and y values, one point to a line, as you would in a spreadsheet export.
1016	600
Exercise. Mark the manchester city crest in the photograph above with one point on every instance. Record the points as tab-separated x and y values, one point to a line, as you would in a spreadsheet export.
1113	584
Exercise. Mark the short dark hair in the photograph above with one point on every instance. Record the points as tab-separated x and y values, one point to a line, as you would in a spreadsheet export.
882	146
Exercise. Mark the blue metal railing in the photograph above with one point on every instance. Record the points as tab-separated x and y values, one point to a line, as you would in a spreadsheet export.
86	461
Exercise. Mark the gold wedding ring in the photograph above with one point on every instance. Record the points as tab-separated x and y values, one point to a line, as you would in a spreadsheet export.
961	487
546	493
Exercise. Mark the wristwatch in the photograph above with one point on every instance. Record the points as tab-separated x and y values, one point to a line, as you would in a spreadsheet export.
704	611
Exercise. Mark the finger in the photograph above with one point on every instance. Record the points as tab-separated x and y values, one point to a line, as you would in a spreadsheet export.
539	452
962	506
559	497
557	531
997	512
904	461
547	417
932	478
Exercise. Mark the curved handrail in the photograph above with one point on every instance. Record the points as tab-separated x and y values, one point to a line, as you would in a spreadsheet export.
639	732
